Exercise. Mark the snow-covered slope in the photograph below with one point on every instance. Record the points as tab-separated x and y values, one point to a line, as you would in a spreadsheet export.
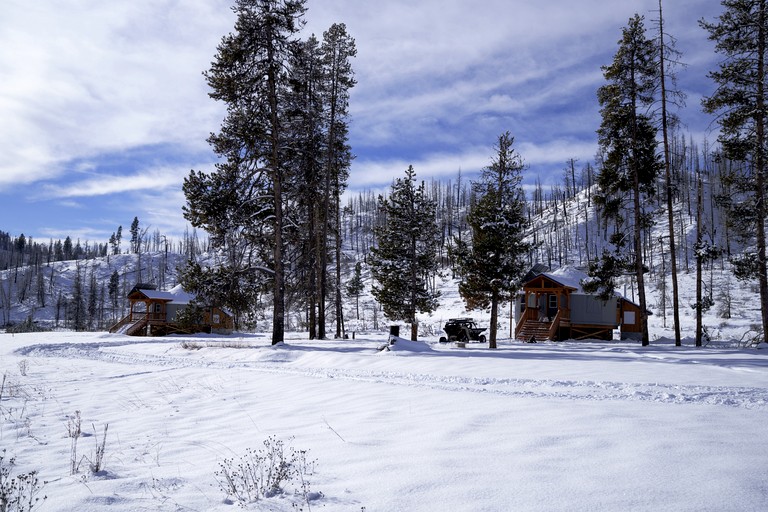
557	427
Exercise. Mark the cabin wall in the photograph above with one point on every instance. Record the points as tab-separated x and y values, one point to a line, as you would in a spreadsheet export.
172	310
631	328
588	309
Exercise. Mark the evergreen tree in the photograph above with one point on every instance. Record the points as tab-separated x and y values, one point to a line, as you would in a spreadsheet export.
492	266
113	243
135	246
306	100
247	222
113	291
355	287
337	51
77	308
741	37
67	251
405	258
93	291
630	164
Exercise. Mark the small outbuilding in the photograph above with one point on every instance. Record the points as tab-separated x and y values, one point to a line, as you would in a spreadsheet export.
554	306
157	313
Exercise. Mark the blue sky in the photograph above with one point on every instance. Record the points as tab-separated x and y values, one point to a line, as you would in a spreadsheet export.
104	109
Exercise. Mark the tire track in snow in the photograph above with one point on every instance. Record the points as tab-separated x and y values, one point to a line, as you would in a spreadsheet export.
740	397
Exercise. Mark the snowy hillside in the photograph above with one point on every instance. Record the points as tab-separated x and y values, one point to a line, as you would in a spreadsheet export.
45	293
564	227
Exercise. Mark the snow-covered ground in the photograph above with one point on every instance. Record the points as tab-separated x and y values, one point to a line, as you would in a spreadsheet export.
599	426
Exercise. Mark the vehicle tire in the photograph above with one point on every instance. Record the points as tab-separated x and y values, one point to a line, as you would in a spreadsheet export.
481	338
443	339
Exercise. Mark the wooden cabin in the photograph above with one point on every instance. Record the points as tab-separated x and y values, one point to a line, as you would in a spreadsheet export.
554	306
154	313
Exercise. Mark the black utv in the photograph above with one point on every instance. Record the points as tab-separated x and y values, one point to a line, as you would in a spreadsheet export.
462	329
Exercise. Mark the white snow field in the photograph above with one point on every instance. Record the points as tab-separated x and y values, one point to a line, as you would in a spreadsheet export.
572	426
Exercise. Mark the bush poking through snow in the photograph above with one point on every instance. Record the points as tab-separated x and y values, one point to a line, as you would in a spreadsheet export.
73	432
96	461
266	473
96	464
17	493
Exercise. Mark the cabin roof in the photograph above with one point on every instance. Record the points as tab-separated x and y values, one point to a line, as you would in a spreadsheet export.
568	276
154	294
176	295
571	277
565	276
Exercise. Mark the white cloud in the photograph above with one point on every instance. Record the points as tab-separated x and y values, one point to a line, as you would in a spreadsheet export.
90	77
153	179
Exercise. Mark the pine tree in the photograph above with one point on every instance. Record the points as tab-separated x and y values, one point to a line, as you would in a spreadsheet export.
405	260
113	292
306	102
492	267
135	246
355	287
77	309
630	164
741	37
247	221
338	49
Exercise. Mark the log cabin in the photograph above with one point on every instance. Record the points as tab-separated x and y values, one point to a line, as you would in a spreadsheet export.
554	306
155	313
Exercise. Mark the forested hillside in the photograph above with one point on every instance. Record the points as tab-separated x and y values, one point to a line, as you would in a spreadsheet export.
674	224
87	291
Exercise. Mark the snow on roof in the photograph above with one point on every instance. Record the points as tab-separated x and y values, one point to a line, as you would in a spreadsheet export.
177	295
180	296
568	276
573	277
157	295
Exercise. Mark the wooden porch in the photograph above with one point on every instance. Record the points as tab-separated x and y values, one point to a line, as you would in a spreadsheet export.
545	310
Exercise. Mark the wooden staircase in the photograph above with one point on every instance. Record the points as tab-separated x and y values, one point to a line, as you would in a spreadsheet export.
129	327
533	329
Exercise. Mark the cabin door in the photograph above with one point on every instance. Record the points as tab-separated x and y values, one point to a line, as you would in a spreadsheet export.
551	306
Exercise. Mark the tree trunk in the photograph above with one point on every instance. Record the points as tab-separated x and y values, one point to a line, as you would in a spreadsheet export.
278	293
760	167
339	311
699	325
668	176
494	319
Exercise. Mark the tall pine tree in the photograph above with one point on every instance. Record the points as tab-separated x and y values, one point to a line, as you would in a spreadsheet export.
492	266
741	37
249	76
630	164
405	258
338	49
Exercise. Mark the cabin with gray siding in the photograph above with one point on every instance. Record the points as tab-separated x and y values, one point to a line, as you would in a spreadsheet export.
554	306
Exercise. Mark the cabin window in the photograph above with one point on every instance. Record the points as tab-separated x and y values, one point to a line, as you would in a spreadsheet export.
553	302
629	317
216	318
158	308
531	300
